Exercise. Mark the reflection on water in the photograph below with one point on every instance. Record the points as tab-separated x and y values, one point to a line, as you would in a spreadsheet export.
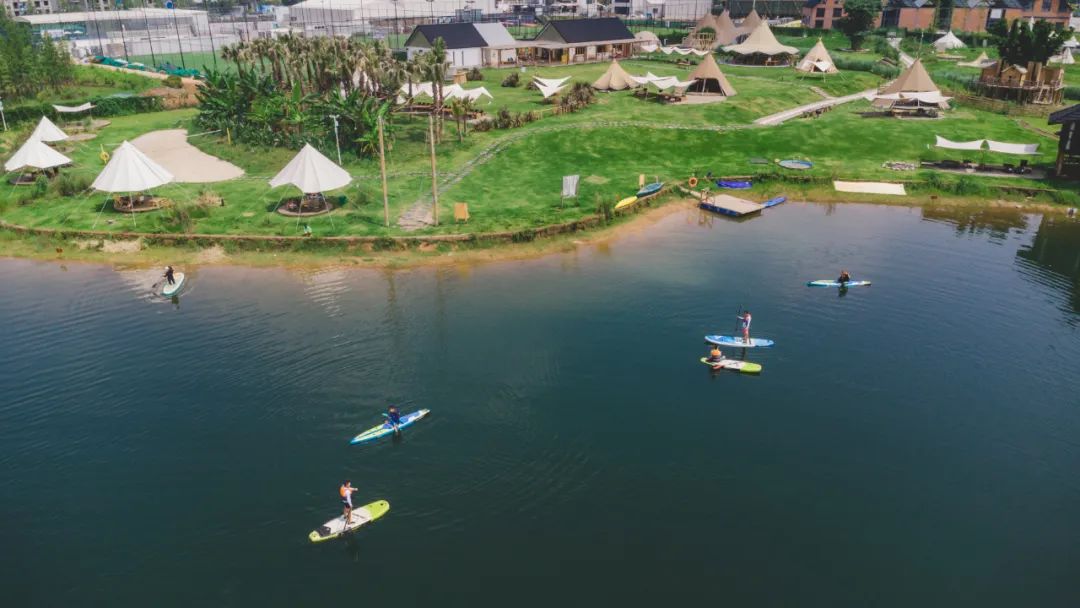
1054	257
993	221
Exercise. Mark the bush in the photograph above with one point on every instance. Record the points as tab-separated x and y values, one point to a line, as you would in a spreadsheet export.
70	185
511	80
482	125
173	82
474	74
41	185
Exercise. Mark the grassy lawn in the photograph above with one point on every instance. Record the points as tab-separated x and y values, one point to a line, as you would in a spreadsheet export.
200	60
518	186
609	160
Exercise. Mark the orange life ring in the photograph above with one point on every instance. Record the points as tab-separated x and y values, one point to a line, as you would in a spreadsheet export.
693	182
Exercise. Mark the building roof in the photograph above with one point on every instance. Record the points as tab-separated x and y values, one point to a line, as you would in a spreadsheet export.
910	4
455	35
1070	114
812	3
495	34
577	31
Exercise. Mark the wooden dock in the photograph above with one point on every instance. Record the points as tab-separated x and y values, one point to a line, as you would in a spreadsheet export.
731	206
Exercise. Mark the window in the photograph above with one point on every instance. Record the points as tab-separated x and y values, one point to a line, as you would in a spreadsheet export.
837	13
1047	5
819	24
1063	6
821	12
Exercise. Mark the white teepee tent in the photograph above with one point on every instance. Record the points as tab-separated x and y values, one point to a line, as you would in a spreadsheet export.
312	173
34	154
948	41
129	170
48	132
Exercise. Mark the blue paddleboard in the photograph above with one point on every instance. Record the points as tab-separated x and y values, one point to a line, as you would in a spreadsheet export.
737	342
384	429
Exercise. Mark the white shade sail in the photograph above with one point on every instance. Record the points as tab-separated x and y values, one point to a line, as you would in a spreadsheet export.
551	82
312	172
47	131
941	142
993	146
35	155
74	109
548	90
129	170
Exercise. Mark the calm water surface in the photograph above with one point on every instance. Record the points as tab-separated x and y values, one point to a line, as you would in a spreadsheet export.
916	443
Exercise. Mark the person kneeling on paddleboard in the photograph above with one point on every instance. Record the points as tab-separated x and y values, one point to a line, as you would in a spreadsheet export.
715	354
346	490
169	275
845	278
745	322
394	416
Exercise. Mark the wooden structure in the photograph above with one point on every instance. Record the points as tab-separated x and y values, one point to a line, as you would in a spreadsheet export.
1035	83
567	41
1068	157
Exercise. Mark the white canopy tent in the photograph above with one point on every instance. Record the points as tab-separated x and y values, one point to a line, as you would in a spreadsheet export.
991	145
948	41
73	109
48	132
549	90
34	154
470	94
129	170
312	173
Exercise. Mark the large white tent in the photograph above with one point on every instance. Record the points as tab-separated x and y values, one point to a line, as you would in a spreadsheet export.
129	170
949	41
34	154
48	132
312	173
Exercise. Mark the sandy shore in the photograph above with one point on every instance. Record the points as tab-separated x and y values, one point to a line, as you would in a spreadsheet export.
170	148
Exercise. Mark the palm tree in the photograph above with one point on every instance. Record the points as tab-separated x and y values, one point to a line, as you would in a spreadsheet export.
461	108
435	62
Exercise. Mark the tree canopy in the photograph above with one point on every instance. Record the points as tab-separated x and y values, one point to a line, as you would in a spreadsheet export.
859	20
1021	42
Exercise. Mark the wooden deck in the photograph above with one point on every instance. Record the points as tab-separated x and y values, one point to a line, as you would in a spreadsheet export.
729	205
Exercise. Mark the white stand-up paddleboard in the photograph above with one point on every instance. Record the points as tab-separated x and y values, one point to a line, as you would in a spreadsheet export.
738	342
170	290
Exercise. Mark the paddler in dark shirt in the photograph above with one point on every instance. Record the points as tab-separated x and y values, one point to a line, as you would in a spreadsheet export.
845	277
169	275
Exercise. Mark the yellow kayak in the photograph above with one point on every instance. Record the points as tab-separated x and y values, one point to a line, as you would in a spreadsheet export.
360	516
626	202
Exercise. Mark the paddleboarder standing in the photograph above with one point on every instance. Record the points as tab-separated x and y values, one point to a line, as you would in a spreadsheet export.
744	322
169	275
346	490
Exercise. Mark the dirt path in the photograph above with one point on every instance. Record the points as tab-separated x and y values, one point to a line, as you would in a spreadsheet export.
780	117
170	149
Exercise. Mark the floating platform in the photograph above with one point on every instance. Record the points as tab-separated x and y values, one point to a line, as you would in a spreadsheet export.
736	207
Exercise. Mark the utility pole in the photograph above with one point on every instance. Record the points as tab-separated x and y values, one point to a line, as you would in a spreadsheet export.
149	37
337	142
382	169
434	175
176	26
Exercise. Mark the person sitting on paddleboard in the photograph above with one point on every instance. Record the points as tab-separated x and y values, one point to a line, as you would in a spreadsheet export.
715	354
169	275
845	277
745	323
346	490
394	416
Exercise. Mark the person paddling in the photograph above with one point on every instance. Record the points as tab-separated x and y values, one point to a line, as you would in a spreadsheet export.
394	416
346	490
715	355
844	279
744	322
169	275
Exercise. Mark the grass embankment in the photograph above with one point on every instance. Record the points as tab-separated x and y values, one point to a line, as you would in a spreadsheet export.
89	83
194	60
518	185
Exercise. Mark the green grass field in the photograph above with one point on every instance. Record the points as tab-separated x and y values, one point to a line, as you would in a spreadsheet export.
609	144
192	61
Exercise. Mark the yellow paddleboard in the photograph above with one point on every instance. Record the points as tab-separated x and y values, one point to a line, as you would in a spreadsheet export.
626	202
359	517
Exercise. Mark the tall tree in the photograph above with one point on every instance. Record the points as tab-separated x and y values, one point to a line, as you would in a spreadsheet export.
859	20
1021	42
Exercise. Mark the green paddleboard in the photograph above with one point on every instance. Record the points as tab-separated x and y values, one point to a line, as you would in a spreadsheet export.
360	516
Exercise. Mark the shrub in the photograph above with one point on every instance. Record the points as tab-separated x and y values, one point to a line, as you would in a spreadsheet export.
512	80
70	185
41	185
173	82
474	74
484	124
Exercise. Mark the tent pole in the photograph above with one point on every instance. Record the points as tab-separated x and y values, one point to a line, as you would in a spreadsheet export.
382	169
434	175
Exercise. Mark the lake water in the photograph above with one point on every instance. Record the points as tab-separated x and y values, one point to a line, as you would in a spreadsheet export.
915	443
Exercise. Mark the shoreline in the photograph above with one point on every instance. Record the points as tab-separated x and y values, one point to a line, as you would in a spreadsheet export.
18	242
